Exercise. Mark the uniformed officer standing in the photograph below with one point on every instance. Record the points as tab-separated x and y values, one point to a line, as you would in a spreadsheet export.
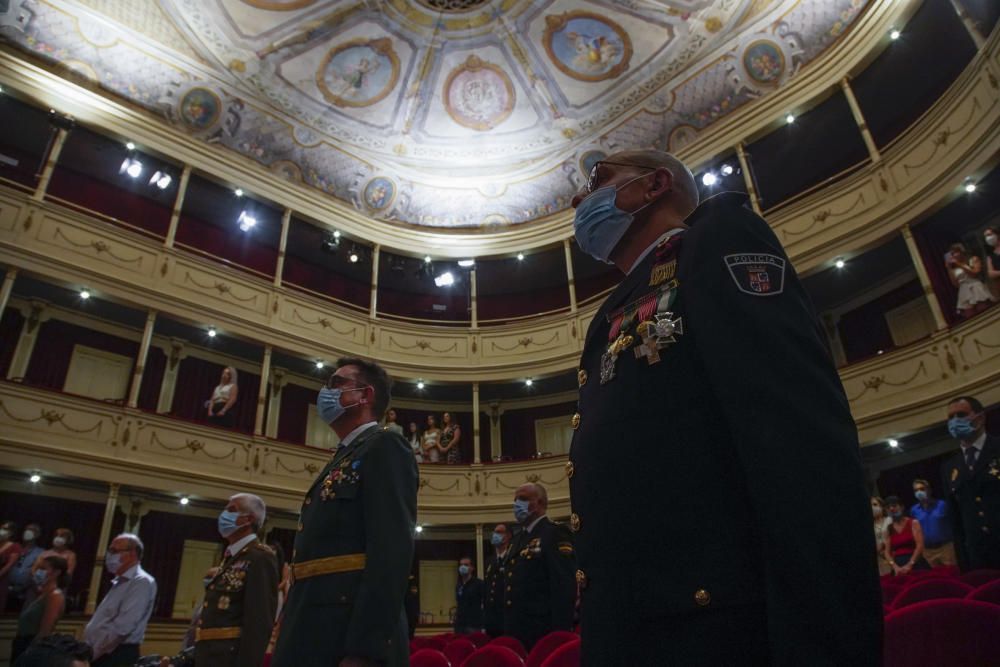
242	598
708	400
496	581
972	479
355	543
541	586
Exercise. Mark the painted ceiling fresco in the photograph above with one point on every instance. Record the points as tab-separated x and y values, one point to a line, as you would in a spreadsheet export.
443	113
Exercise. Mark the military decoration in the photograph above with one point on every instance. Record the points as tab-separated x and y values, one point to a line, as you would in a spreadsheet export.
224	602
345	472
994	468
665	260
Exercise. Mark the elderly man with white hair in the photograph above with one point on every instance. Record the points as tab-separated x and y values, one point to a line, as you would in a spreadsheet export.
241	600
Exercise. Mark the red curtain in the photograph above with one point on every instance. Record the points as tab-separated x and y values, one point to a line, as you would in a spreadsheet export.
501	306
864	331
293	416
517	428
54	349
152	379
118	203
240	248
196	379
485	437
10	331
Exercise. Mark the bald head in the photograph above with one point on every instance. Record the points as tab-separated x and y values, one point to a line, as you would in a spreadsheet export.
683	195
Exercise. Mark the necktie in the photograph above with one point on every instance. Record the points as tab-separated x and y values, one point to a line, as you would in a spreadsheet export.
970	457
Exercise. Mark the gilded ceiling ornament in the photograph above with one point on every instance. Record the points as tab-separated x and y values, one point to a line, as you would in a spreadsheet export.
478	94
764	62
358	73
587	46
279	5
453	5
379	193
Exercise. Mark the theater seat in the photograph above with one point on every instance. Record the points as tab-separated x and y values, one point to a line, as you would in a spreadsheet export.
931	589
512	643
428	657
478	638
977	578
989	592
437	642
567	655
890	591
547	645
458	650
493	655
956	633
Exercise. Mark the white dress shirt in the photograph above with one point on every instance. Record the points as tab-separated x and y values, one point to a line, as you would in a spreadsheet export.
976	444
238	545
122	616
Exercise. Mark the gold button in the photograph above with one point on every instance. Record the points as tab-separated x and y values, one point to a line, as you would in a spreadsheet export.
575	421
300	526
581	578
581	377
569	469
702	598
508	603
307	501
574	522
979	499
985	529
508	588
982	514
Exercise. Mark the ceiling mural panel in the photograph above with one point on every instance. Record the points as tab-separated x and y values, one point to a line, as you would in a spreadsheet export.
443	113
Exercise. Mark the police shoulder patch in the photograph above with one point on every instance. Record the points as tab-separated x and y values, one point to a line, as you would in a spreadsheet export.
757	274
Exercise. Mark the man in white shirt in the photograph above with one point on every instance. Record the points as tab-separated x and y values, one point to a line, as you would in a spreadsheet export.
118	626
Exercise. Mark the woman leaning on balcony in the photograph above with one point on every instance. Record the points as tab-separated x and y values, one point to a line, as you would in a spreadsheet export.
964	271
224	396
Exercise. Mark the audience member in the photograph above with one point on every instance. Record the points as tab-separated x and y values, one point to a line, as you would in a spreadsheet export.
541	589
240	602
468	599
935	522
21	584
963	270
496	580
118	625
972	483
10	552
881	524
451	435
224	397
191	635
906	539
391	424
61	543
990	237
56	651
416	441
431	441
38	618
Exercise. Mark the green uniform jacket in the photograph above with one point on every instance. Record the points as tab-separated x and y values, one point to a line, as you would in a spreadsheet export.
363	502
243	594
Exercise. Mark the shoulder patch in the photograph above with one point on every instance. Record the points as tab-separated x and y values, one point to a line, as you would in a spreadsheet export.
757	274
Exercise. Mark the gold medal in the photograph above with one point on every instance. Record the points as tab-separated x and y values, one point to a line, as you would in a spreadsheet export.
223	602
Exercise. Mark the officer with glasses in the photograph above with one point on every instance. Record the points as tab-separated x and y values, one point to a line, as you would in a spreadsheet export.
707	400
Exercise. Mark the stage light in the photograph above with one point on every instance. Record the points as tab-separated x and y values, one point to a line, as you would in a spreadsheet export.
894	34
353	257
84	294
970	185
467	263
132	167
520	256
319	365
790	118
238	192
840	263
129	145
445	279
212	332
726	169
161	180
420	384
184	500
419	529
529	382
247	221
427	259
709	179
894	443
35	478
336	234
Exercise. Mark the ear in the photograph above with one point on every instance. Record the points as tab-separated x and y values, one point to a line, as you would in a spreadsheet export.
663	182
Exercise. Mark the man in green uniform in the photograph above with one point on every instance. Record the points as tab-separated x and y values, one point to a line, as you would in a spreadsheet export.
355	543
242	598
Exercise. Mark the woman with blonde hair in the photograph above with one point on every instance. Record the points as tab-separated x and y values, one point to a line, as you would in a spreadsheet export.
964	271
220	406
882	521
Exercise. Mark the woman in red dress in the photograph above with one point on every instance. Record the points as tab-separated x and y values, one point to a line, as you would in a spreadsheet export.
906	540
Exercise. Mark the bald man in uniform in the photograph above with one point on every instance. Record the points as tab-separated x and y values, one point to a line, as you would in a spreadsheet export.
720	511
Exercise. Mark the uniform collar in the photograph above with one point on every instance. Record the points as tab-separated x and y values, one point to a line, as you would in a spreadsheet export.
350	437
978	443
531	526
649	248
239	544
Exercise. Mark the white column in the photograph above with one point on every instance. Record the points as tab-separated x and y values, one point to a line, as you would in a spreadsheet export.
480	560
286	220
265	369
741	155
34	317
496	446
102	544
977	37
140	363
8	286
475	423
859	118
50	165
175	215
373	302
274	402
175	353
473	289
925	281
569	275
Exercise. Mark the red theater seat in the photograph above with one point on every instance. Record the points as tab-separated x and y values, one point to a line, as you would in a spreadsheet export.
547	645
931	589
493	655
478	638
428	657
890	590
512	643
989	592
458	650
437	642
977	578
956	633
567	655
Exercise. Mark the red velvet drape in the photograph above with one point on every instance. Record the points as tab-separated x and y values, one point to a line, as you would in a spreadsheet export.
240	248
152	379
96	195
196	379
293	417
10	330
54	349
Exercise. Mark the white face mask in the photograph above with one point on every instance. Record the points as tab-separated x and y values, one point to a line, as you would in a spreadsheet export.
4	533
991	240
59	541
29	535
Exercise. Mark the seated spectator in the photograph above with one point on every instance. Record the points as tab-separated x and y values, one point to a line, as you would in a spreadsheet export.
56	651
224	396
990	238
451	435
881	524
415	442
10	551
963	271
906	540
38	618
61	544
20	575
469	593
935	522
391	424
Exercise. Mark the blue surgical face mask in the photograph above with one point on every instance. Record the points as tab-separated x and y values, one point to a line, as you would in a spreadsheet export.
521	511
921	495
113	563
961	428
463	570
895	514
227	522
496	539
328	403
41	576
599	224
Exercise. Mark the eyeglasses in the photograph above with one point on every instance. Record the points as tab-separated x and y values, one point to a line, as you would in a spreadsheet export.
592	180
112	550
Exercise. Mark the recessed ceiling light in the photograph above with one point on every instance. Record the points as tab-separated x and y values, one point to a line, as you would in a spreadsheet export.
427	259
894	34
353	257
84	294
420	384
709	179
35	478
790	118
238	192
129	145
184	500
336	233
520	256
893	443
840	263
529	382
319	365
970	185
420	529
212	332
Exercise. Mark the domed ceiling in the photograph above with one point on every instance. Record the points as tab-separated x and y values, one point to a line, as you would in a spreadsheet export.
442	113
